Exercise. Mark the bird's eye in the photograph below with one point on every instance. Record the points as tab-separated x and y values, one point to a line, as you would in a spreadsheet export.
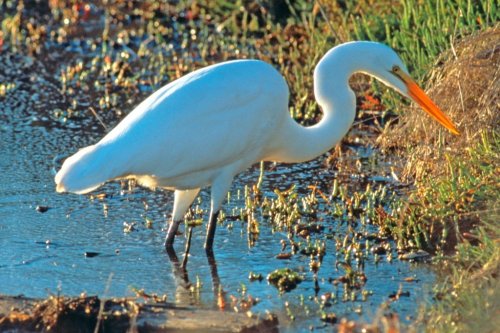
395	69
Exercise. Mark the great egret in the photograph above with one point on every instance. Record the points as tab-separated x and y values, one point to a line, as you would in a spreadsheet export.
206	127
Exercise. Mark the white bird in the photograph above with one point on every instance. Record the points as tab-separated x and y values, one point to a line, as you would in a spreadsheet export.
206	127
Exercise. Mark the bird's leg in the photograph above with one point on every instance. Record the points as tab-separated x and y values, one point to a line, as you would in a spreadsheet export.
212	224
188	246
172	231
182	200
172	255
219	189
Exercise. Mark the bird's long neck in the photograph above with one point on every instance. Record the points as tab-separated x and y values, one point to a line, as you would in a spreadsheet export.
337	100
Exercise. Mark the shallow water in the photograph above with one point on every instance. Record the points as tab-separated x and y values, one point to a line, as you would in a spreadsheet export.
44	253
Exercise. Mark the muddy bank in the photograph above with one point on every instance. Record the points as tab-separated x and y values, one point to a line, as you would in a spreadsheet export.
87	314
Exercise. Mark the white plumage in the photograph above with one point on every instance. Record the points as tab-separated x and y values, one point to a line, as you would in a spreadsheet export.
206	127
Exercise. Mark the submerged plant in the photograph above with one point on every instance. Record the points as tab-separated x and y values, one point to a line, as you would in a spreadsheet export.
284	279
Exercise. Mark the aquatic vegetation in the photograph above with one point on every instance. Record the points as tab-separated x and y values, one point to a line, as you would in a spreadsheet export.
329	317
255	276
285	279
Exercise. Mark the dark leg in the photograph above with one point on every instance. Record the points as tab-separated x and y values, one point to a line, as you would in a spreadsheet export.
172	255
188	246
169	240
182	201
209	241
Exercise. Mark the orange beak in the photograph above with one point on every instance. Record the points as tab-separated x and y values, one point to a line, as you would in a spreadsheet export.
419	96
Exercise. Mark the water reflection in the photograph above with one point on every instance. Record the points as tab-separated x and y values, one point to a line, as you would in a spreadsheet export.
184	287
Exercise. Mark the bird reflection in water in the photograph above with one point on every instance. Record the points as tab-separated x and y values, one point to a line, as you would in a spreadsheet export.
184	286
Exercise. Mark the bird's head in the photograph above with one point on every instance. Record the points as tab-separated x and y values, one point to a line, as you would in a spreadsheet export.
390	69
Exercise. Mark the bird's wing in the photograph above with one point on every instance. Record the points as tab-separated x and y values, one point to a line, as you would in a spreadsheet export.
208	119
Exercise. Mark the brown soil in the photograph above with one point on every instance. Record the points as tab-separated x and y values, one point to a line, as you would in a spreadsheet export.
90	314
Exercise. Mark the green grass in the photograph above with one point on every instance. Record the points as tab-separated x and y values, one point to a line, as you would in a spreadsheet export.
468	296
441	208
422	30
457	214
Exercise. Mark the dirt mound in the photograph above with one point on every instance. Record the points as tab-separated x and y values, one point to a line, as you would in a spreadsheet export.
466	85
87	314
